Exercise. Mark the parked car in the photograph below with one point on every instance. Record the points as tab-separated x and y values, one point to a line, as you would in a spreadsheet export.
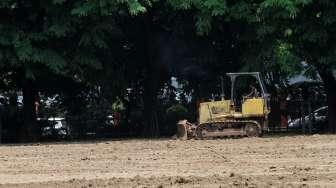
318	118
53	127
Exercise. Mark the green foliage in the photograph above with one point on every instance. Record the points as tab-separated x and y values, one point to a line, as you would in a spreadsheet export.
136	7
284	8
58	2
63	37
176	112
6	3
206	11
217	7
204	24
118	105
110	43
108	8
308	26
289	64
245	11
181	4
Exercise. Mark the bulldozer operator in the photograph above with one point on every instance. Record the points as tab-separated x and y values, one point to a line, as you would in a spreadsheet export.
253	93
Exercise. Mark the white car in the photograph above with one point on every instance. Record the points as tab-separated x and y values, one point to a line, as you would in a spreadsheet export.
53	127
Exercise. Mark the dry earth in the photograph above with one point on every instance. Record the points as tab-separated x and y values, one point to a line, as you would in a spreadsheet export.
282	161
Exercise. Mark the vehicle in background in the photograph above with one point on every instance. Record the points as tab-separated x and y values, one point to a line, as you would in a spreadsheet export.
113	119
53	127
317	119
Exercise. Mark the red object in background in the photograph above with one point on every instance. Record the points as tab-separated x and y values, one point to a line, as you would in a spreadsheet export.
283	105
116	119
283	114
37	105
283	121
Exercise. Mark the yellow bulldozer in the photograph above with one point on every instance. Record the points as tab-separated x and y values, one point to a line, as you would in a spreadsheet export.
243	115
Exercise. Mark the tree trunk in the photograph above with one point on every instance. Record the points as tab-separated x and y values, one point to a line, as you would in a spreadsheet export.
29	114
152	81
151	127
330	85
1	128
331	95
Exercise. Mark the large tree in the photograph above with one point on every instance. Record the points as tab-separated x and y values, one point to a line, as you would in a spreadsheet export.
67	38
308	27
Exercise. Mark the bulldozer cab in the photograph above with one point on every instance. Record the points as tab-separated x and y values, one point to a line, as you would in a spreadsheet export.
248	94
248	99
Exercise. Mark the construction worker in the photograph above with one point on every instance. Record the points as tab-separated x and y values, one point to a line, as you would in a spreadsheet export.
253	93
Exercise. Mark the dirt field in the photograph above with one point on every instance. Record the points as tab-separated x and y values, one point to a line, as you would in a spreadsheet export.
282	161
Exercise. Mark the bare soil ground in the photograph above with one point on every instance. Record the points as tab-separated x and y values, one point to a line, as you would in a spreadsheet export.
282	161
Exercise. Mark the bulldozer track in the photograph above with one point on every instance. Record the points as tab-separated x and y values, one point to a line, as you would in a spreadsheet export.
234	128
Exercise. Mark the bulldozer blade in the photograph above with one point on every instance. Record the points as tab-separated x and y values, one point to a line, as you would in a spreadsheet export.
182	130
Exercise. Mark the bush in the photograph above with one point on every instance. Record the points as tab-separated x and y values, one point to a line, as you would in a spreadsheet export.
176	112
